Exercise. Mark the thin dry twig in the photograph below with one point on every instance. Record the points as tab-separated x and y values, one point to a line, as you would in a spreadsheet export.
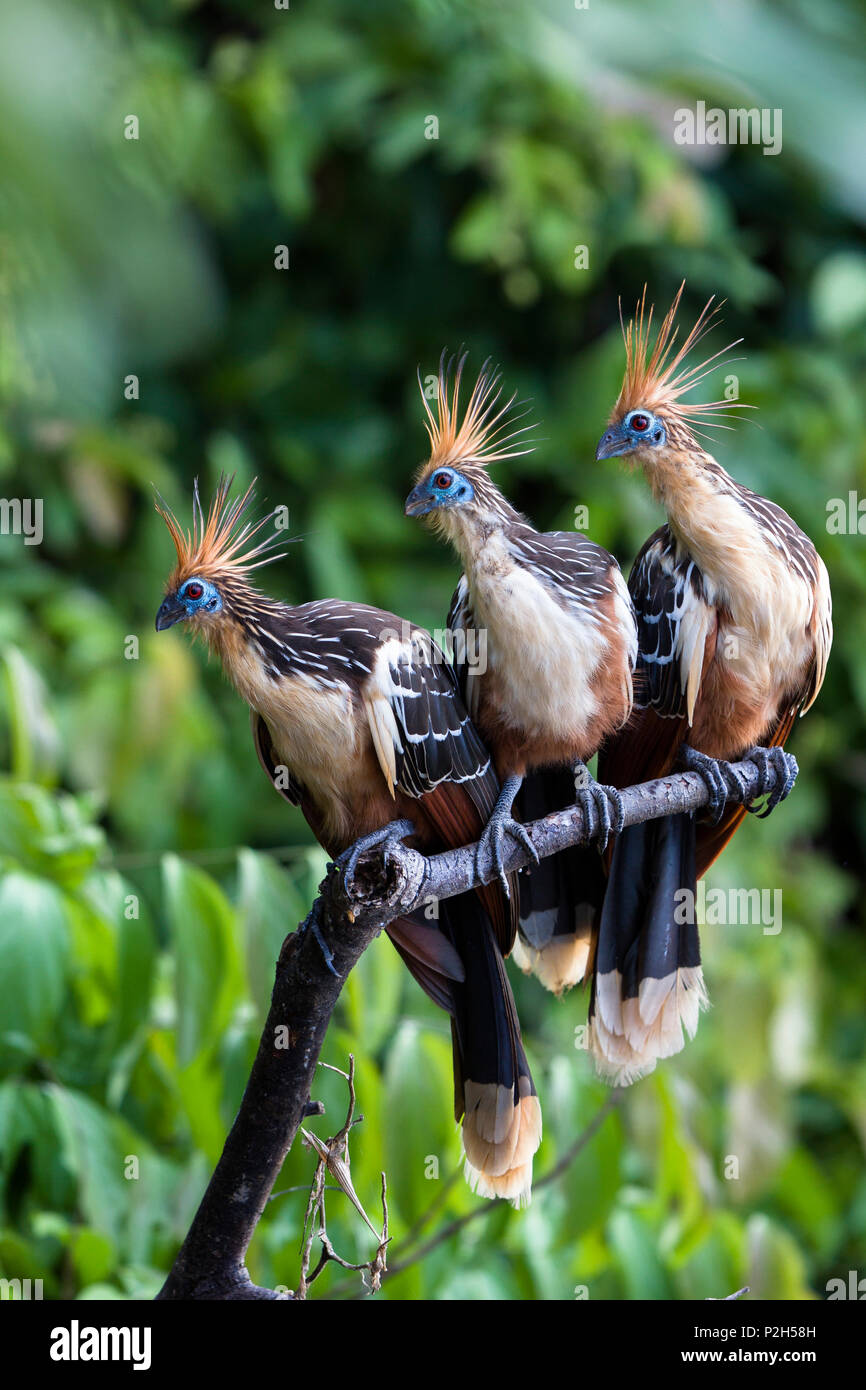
333	1158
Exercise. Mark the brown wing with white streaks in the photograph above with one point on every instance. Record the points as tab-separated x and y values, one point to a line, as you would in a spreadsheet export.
428	746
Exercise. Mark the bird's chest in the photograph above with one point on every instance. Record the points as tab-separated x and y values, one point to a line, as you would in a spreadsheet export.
317	734
763	603
764	637
541	659
312	721
314	728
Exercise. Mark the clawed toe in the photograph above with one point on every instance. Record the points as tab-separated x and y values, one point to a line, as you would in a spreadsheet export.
385	838
777	774
597	802
311	923
719	777
489	855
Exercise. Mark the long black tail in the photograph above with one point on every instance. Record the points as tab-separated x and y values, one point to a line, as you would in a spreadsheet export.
560	898
647	983
493	1089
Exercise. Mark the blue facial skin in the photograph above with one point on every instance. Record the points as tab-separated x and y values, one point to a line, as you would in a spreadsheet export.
444	488
638	429
194	596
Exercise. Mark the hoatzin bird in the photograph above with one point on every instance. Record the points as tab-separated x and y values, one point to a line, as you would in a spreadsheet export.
357	719
556	678
734	626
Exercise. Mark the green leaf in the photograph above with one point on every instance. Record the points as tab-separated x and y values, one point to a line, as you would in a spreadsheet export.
32	1120
19	1258
129	920
592	1181
371	997
420	1133
201	1088
94	964
92	1254
475	1285
34	737
34	956
635	1249
97	1145
839	292
777	1268
207	970
270	906
810	1200
16	1128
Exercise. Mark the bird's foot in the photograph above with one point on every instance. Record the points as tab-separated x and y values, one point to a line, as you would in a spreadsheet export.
389	835
312	923
602	806
488	853
772	761
719	777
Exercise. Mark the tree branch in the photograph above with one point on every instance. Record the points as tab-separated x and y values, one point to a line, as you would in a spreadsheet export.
210	1263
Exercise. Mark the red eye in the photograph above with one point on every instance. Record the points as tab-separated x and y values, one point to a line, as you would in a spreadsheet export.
442	480
639	423
194	590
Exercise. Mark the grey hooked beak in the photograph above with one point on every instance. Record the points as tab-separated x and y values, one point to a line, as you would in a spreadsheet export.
170	612
419	501
613	442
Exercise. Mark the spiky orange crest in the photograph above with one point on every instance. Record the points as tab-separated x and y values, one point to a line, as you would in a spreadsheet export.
656	379
484	434
215	547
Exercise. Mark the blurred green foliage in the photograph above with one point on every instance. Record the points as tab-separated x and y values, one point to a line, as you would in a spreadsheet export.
137	940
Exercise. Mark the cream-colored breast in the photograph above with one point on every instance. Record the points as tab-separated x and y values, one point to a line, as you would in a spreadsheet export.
767	639
314	729
316	734
541	658
313	726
